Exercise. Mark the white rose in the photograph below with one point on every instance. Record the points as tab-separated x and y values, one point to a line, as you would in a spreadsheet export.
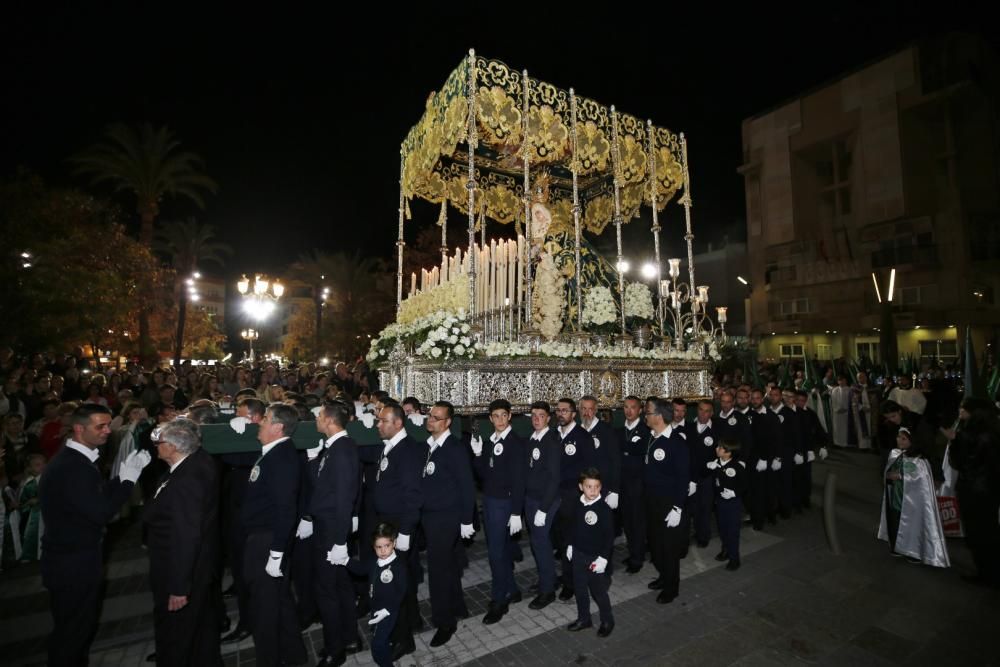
436	352
452	339
459	349
465	328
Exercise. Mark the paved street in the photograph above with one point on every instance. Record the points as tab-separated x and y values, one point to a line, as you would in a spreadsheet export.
792	602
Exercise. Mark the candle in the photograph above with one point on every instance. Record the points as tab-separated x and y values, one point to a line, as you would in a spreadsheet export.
675	268
413	283
721	311
703	294
520	269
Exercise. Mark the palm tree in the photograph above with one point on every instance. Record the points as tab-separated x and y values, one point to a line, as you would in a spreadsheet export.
189	245
351	283
145	161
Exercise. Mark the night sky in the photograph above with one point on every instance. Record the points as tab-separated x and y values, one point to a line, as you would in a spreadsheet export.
299	117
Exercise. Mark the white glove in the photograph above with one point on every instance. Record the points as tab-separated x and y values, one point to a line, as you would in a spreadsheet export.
354	524
273	566
313	452
823	453
761	465
712	465
514	524
612	500
403	542
569	552
776	465
132	466
338	555
674	518
810	456
368	419
239	424
466	531
318	409
692	488
417	418
728	494
599	565
799	460
477	445
304	530
379	616
539	518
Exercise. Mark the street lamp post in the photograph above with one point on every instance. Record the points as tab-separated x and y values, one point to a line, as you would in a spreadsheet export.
259	297
250	335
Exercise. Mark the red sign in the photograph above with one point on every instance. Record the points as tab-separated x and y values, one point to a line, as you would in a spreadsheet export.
951	519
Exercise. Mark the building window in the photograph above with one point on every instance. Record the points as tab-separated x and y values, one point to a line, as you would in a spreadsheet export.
832	163
869	350
909	296
794	307
824	352
945	351
905	249
791	350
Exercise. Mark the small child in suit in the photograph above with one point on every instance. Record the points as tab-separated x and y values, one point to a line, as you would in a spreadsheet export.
589	551
386	588
730	486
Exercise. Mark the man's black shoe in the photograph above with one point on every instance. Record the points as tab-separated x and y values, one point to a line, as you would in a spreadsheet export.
665	598
516	597
542	600
442	636
702	545
495	613
566	593
237	635
578	625
656	584
356	646
632	569
733	565
151	657
333	660
605	629
721	556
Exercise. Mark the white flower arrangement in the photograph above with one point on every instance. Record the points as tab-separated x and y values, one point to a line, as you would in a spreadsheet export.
638	303
438	335
548	304
599	308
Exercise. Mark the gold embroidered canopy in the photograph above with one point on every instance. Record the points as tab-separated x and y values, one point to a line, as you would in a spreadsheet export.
436	168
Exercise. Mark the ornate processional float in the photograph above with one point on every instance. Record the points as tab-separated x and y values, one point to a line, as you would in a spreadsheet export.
542	315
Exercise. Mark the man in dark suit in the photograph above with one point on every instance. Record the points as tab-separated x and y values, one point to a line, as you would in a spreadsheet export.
76	505
702	436
270	513
607	450
397	499
449	494
577	455
634	438
665	476
331	506
183	537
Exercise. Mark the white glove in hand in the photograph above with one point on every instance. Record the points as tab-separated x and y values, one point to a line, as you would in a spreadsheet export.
799	460
514	523
728	494
466	531
368	419
338	555
354	524
823	453
539	518
599	565
810	456
776	465
239	424
403	542
692	488
761	465
132	466
612	500
304	530
674	518
313	452
712	465
273	566
379	616
569	552
477	445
